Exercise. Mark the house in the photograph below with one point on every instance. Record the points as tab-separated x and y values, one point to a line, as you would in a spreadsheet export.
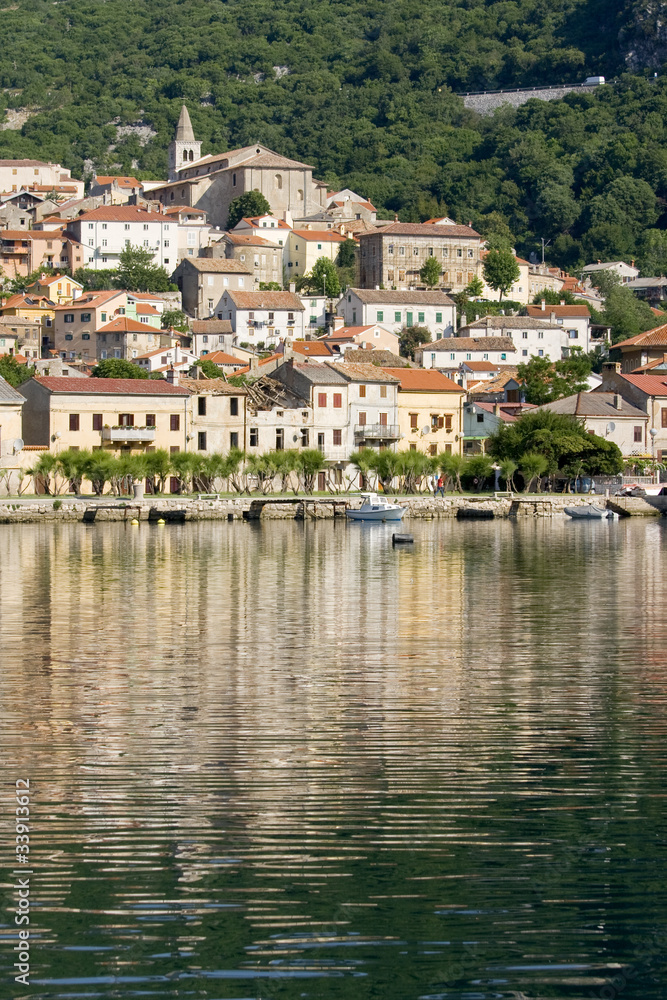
348	206
209	335
642	349
395	310
23	252
75	324
263	317
367	337
652	290
394	255
429	411
164	358
317	312
115	189
647	390
270	228
578	331
217	419
626	272
306	246
120	415
19	336
35	308
610	416
125	338
226	362
324	412
42	178
11	434
453	350
262	257
372	405
529	336
193	232
383	359
59	288
318	350
472	372
481	419
520	290
106	231
504	386
212	182
202	282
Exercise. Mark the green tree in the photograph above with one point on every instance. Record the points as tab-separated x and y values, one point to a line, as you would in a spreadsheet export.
96	281
474	288
309	462
652	253
410	338
626	314
247	206
13	372
430	272
117	368
479	468
158	467
175	318
347	254
453	466
507	469
270	286
532	466
72	466
363	461
42	470
137	271
501	270
99	470
561	439
323	279
546	380
209	368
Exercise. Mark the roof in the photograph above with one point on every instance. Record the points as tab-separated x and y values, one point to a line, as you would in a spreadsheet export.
248	239
129	182
564	311
374	296
660	363
187	209
480	366
350	332
91	299
362	373
511	323
21	300
377	356
110	386
23	163
146	309
215	265
118	213
51	279
423	229
650	338
470	344
508	412
652	385
212	386
496	384
423	380
184	131
311	348
253	220
319	235
320	374
607	265
647	283
221	358
8	393
263	361
212	326
123	324
146	296
266	300
595	404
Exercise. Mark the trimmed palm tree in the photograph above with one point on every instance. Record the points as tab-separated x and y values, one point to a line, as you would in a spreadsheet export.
453	466
41	472
310	461
364	462
532	466
507	469
71	465
158	467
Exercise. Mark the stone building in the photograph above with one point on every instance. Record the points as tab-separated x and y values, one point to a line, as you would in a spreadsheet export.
394	255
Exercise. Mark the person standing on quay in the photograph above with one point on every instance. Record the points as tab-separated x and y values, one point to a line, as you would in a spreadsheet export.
440	488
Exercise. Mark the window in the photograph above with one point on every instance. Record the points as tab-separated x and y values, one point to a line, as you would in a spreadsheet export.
91	225
280	439
103	317
233	180
524	335
540	353
452	357
401	251
362	419
663	416
638	433
438	317
174	450
540	335
69	336
320	442
397	317
414	417
337	400
145	227
126	419
383	392
234	406
480	418
201	406
408	319
459	252
305	437
69	317
573	335
175	422
471	253
97	421
254	437
104	226
85	336
126	226
383	420
415	251
468	357
201	441
362	391
74	421
380	316
150	420
524	353
104	243
337	437
420	317
145	243
390	249
432	449
503	357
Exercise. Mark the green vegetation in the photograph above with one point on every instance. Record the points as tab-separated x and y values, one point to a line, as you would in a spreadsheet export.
117	368
137	272
175	318
500	270
410	338
323	278
368	95
546	380
247	206
209	368
430	272
13	372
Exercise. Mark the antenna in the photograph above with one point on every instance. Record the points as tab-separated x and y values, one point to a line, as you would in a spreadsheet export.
18	445
426	429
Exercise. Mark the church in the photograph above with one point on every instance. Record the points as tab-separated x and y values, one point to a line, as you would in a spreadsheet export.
212	182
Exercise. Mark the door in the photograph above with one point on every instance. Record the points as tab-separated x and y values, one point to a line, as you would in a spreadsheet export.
321	481
408	319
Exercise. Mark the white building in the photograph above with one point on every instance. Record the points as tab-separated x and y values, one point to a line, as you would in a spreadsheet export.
531	337
193	233
395	310
263	317
452	351
163	358
105	232
626	272
575	322
35	175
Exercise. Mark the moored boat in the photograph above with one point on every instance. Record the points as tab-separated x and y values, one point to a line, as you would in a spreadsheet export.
588	512
375	508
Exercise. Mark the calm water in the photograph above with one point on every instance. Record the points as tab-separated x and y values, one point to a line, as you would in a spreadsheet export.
289	761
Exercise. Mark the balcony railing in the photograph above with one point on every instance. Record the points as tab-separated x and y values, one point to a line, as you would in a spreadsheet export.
376	432
128	434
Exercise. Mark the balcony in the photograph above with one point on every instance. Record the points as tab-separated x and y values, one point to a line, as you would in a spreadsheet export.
376	432
142	435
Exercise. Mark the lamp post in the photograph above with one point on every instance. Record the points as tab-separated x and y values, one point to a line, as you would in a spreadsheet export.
654	433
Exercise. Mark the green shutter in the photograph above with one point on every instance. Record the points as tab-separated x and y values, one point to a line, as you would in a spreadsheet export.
397	317
438	317
408	319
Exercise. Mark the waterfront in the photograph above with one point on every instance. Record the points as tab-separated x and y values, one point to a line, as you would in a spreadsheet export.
289	761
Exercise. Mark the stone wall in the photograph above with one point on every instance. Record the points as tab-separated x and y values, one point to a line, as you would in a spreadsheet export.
486	104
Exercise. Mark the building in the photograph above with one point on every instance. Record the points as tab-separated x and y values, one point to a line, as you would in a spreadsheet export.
75	325
267	226
39	177
59	288
203	281
124	338
531	337
626	272
115	190
263	317
481	419
19	336
306	246
639	351
227	363
262	257
372	405
324	412
611	417
164	358
578	331
430	409
348	206
36	308
394	255
217	419
193	232
11	434
349	338
105	232
651	290
121	415
23	252
646	390
395	310
209	335
452	351
212	182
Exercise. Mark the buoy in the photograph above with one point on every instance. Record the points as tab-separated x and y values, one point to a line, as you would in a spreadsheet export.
134	521
402	539
161	521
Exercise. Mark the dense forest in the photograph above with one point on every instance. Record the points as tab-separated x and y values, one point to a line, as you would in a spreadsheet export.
368	93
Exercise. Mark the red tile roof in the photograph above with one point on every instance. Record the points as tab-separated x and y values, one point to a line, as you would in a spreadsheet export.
423	380
651	338
311	348
119	213
573	311
221	358
264	361
130	182
652	385
254	221
146	309
123	324
111	386
318	235
422	229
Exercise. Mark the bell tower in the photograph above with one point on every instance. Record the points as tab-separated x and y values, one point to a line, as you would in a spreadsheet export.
184	149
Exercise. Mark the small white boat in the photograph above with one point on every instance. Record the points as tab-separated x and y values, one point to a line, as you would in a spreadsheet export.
375	508
587	512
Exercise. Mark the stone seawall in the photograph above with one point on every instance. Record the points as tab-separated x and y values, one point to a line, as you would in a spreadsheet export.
486	104
253	508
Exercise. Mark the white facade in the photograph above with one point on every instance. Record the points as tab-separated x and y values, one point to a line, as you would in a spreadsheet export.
17	174
155	360
263	317
105	232
395	310
449	353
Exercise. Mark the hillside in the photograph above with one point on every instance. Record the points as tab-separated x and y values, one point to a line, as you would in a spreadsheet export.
367	94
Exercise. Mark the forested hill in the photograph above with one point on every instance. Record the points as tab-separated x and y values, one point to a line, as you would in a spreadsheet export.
366	92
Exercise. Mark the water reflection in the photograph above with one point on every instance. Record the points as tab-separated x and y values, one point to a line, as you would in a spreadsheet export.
290	760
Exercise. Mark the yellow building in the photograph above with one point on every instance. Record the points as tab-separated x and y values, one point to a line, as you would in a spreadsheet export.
38	308
59	288
430	411
306	246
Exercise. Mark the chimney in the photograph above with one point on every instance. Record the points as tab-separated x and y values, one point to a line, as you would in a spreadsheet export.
618	402
172	376
632	263
496	409
254	365
552	318
543	304
599	261
395	217
292	287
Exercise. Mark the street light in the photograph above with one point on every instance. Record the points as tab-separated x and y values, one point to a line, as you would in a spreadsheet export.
654	433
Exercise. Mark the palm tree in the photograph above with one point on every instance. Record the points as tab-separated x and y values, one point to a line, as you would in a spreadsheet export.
71	465
45	466
481	468
364	462
210	468
259	465
453	467
158	467
310	461
231	470
507	469
532	466
387	465
184	464
283	462
99	469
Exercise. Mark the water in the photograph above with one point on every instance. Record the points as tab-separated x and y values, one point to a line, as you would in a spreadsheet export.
287	761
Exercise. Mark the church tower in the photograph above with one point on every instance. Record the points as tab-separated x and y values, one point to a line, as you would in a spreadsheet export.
184	149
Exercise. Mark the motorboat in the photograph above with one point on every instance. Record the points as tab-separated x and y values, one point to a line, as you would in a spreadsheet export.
375	508
588	512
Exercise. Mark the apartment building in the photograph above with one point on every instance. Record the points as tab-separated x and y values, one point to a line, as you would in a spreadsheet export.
394	255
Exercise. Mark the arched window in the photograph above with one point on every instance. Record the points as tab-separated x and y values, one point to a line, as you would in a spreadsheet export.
279	182
185	156
192	155
299	194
